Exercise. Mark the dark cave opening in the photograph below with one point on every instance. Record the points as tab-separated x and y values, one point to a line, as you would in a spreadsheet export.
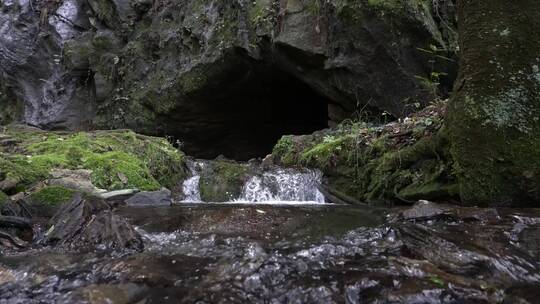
243	114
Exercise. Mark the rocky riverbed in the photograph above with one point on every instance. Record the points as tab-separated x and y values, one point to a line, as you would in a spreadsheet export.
237	253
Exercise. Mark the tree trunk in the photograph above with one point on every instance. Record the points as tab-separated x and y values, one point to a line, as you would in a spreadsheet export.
494	116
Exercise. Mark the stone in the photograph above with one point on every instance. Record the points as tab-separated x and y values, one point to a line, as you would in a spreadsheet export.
74	179
113	195
88	223
424	210
151	198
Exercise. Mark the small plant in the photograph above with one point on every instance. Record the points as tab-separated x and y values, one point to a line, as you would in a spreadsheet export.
433	80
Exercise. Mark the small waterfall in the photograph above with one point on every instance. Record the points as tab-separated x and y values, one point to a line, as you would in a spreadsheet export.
191	185
274	186
284	185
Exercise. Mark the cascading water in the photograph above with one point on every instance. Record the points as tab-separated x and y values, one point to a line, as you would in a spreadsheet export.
191	185
274	186
284	185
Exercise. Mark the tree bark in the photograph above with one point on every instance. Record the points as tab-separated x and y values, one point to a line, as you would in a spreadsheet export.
494	115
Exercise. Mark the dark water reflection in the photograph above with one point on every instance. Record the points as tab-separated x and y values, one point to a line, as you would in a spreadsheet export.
301	254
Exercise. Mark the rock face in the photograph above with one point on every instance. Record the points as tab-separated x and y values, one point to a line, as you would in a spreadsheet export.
201	70
32	38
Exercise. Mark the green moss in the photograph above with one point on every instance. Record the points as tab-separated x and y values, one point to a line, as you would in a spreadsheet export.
285	150
373	164
118	159
222	181
22	170
259	12
322	153
3	199
120	170
52	195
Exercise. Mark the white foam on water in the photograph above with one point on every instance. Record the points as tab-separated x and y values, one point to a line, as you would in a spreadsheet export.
278	186
190	187
283	186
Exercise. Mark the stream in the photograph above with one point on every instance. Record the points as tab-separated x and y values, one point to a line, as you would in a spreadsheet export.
280	243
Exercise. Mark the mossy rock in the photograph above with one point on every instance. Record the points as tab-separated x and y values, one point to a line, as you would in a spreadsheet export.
222	181
3	199
382	165
48	200
117	159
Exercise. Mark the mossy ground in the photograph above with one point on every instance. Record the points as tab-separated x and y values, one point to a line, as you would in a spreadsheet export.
118	159
399	162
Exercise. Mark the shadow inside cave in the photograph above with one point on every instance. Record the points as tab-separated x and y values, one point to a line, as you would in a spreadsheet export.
242	114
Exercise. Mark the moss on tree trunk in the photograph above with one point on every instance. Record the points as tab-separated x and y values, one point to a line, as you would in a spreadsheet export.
494	117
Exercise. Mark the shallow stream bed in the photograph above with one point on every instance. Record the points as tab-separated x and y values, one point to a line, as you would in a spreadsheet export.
238	253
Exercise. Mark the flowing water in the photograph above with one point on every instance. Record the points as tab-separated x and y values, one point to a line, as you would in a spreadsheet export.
308	253
275	186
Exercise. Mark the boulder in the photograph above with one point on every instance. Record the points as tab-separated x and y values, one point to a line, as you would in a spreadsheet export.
222	180
151	198
88	223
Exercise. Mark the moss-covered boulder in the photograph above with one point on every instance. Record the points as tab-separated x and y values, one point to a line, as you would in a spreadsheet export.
222	180
45	202
116	159
398	162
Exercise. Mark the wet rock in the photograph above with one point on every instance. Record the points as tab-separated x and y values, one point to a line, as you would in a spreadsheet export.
15	222
32	36
6	276
12	241
486	215
222	180
97	294
89	223
117	195
8	183
16	208
424	210
151	198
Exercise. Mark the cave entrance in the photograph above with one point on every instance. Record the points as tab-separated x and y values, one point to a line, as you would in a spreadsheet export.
247	110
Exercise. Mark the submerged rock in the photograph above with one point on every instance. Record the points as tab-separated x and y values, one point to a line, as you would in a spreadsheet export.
89	223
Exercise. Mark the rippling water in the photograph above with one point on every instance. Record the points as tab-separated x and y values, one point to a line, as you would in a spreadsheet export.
307	254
